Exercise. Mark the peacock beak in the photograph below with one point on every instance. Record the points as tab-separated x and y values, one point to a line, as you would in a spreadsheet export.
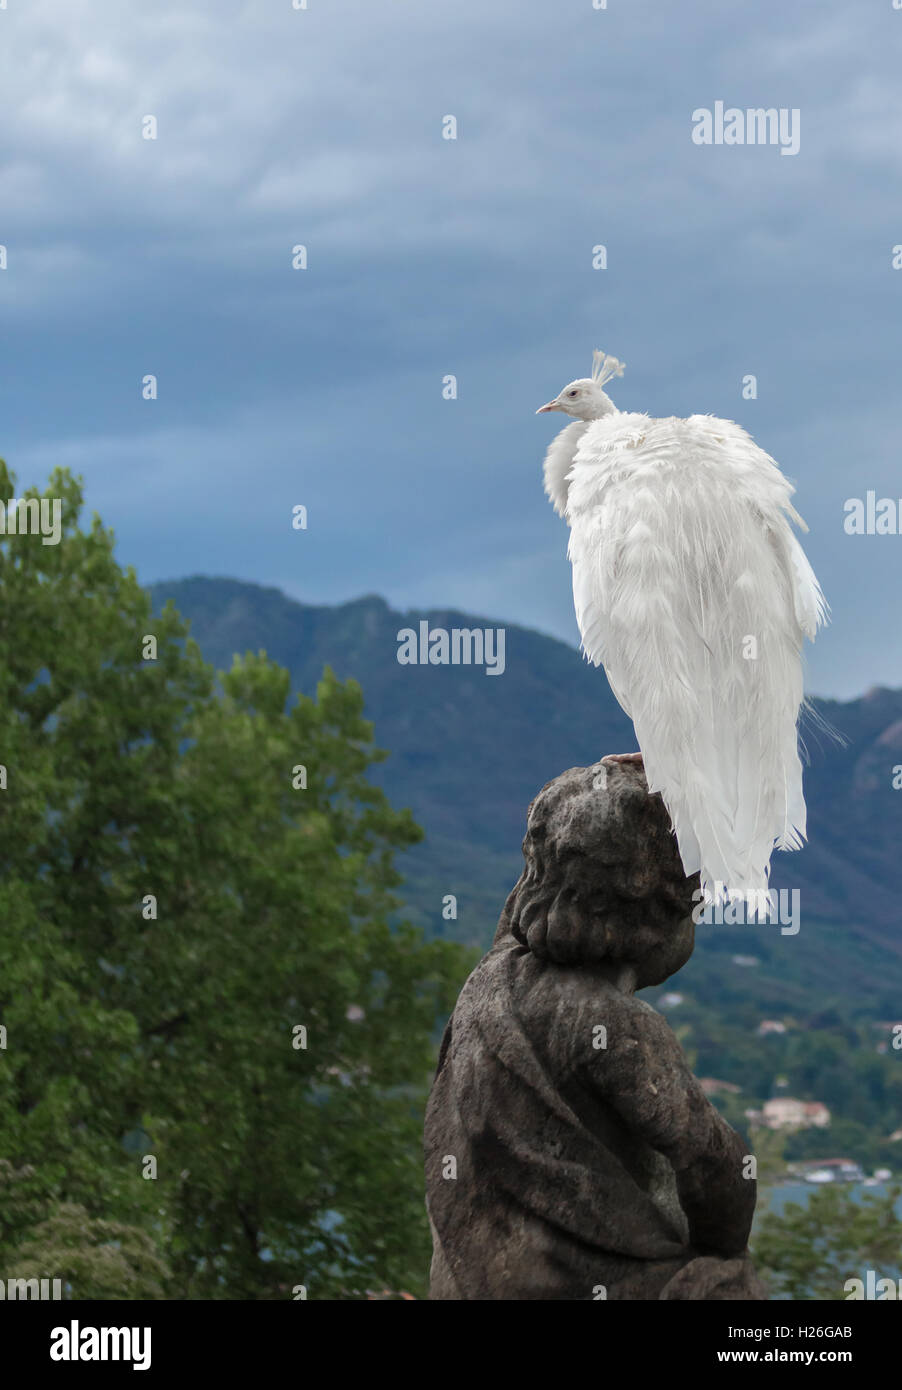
552	405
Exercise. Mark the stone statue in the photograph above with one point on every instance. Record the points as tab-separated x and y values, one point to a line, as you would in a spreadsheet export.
570	1152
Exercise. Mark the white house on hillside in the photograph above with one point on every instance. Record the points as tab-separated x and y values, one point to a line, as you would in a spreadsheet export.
784	1112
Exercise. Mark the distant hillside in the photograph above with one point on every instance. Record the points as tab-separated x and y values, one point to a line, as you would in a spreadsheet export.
469	751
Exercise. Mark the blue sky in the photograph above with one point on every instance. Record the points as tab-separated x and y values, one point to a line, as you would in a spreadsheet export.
426	256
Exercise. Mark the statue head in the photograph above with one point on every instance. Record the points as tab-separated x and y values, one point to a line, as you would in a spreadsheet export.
603	882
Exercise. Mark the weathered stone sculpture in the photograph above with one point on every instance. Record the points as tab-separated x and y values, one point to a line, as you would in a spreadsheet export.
570	1152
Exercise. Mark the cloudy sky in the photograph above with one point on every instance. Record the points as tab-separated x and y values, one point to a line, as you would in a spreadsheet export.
322	126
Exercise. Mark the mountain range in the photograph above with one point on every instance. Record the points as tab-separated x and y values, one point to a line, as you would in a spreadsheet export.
469	750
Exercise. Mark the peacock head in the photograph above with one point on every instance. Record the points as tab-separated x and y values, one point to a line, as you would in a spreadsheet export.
584	399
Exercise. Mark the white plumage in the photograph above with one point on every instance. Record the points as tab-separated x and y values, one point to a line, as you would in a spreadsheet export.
693	592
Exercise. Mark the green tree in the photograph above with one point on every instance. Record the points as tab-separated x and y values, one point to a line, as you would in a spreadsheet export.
112	1260
175	908
809	1251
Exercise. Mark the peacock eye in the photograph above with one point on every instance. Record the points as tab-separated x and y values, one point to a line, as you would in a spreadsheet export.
572	393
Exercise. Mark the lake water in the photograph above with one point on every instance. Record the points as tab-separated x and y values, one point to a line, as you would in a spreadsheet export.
801	1191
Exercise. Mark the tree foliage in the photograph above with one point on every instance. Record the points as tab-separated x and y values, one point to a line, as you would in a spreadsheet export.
175	906
810	1250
